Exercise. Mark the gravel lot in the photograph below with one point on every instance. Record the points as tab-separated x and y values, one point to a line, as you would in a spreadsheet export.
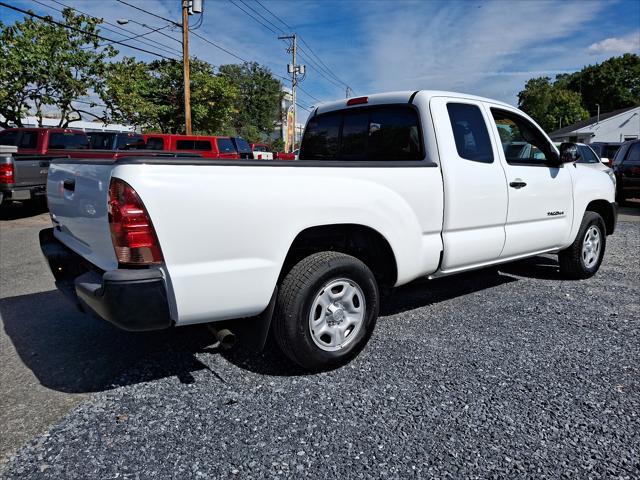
506	372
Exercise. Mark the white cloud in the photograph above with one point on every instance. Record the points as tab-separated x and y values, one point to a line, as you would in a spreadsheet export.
616	45
480	48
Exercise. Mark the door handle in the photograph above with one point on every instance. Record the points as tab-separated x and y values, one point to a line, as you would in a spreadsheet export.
69	185
518	184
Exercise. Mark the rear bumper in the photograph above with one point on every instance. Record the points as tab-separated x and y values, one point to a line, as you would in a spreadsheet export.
134	300
9	192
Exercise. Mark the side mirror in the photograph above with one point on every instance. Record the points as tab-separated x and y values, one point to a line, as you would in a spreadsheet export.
569	152
605	160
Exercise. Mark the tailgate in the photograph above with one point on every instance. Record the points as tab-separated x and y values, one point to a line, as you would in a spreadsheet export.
77	194
30	171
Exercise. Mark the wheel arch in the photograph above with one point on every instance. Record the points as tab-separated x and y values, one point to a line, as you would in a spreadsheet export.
362	242
606	210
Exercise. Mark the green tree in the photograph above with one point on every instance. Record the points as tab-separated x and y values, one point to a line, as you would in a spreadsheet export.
551	105
151	96
571	97
44	64
612	84
258	104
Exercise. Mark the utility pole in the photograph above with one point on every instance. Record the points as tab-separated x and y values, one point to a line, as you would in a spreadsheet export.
294	70
348	92
185	65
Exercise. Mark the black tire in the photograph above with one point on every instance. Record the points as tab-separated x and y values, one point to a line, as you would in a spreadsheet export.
572	263
296	296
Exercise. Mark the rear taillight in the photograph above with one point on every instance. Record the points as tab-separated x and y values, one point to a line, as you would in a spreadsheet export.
134	239
6	173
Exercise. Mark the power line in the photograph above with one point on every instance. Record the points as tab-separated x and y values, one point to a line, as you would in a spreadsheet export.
228	52
167	48
254	18
151	13
321	62
276	16
70	27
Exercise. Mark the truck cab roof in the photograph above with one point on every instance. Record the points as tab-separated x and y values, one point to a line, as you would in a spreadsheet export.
405	96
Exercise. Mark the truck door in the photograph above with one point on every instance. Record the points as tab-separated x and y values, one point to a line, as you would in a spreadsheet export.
540	193
475	188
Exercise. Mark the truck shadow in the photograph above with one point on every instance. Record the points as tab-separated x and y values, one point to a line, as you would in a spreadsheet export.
17	210
72	352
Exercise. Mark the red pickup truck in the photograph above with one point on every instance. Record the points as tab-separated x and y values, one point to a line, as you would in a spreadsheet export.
206	146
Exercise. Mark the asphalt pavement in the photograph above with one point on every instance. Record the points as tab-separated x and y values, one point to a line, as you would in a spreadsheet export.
500	373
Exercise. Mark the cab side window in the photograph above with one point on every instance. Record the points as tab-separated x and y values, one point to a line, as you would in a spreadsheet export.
522	142
470	132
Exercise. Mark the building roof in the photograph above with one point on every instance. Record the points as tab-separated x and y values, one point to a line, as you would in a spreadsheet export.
589	121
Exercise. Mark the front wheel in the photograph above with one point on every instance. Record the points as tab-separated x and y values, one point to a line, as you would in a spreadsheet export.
326	310
583	258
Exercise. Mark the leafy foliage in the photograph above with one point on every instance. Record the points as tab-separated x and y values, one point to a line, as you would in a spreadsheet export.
45	64
258	104
612	84
151	96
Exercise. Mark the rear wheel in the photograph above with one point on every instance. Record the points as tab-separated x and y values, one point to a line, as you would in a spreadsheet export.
583	258
326	310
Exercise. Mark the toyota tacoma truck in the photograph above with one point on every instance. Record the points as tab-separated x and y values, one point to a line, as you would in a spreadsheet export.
387	189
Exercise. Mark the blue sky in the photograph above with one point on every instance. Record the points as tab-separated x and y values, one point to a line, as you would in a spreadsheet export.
488	48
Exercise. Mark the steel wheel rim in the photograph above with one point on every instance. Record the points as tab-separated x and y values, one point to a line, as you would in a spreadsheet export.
337	314
591	246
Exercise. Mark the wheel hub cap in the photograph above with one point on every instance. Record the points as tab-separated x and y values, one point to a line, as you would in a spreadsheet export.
591	246
337	314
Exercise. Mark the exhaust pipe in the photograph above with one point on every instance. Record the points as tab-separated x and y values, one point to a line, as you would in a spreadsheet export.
225	337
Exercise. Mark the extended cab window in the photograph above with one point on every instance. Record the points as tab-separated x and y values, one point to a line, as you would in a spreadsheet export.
155	143
68	140
522	142
470	132
376	133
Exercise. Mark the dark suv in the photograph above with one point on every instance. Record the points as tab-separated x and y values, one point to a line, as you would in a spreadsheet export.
626	166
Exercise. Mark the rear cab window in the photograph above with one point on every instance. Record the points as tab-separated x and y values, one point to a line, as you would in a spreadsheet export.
129	141
68	141
199	145
9	138
372	133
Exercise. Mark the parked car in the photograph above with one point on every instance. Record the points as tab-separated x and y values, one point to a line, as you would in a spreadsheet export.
261	151
626	168
206	146
388	188
116	141
605	150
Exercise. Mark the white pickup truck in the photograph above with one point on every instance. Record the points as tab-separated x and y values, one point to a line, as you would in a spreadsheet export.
388	188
